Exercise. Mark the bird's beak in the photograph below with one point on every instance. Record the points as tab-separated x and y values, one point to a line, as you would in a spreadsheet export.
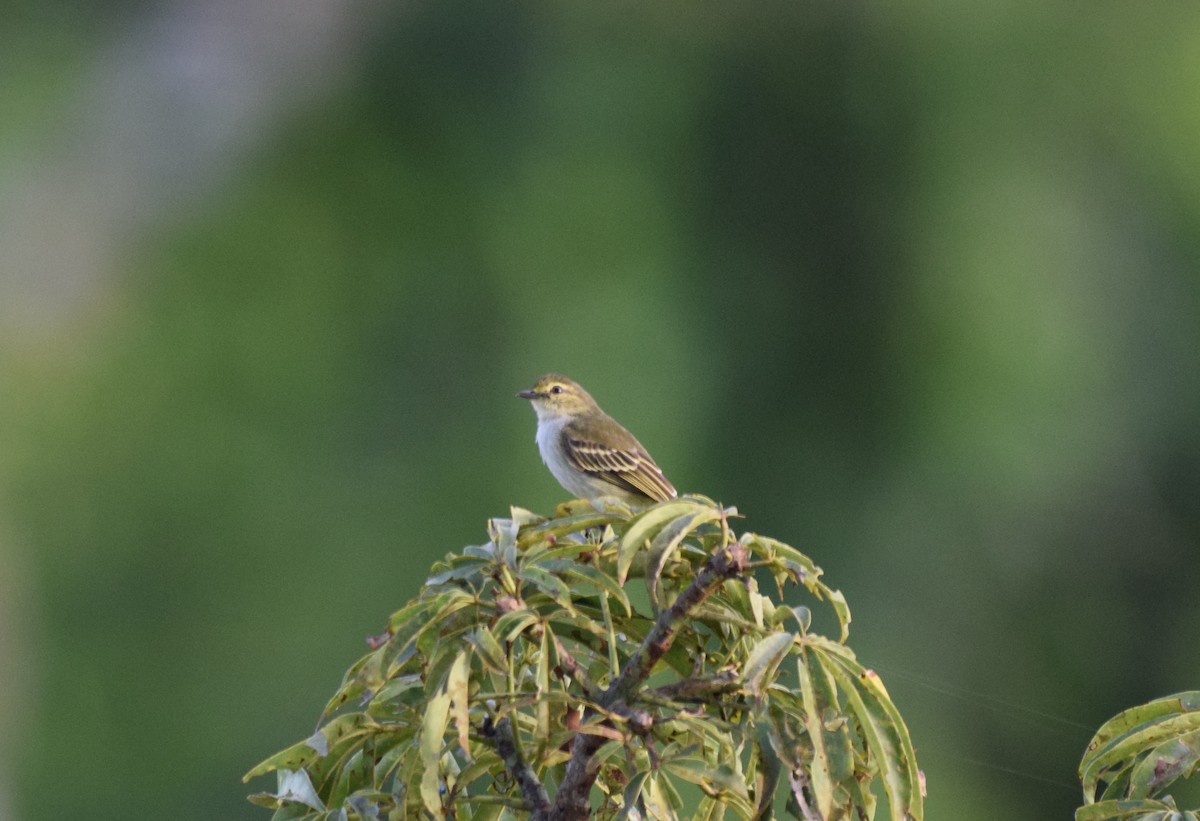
528	394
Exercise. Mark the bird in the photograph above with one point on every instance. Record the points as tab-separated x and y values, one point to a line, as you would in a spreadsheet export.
588	451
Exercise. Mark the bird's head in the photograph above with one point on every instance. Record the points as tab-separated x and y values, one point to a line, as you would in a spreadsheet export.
554	395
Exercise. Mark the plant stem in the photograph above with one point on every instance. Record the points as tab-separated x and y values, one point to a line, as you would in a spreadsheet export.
531	787
572	803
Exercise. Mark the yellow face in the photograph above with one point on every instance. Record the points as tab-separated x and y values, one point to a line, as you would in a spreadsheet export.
557	395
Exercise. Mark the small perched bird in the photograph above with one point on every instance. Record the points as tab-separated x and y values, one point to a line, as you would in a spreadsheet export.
588	452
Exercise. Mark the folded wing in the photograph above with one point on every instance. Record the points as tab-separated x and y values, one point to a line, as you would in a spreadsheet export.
629	468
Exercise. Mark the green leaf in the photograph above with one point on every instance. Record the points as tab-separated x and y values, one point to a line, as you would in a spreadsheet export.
667	541
1129	810
658	799
715	610
861	797
489	650
643	527
543	687
885	734
365	676
557	528
821	780
439	657
736	593
800	613
763	660
522	518
1133	732
315	746
398	687
712	779
839	747
550	584
1143	714
804	569
503	534
571	551
776	551
771	767
712	809
416	623
1118	752
462	568
295	787
433	731
412	613
457	681
1174	758
515	622
352	773
633	791
390	759
592	577
610	639
841	610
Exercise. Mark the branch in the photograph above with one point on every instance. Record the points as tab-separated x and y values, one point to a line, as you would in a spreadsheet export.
531	787
698	689
572	803
725	563
573	668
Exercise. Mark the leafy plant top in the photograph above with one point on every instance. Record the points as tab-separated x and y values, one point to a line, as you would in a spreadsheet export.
607	663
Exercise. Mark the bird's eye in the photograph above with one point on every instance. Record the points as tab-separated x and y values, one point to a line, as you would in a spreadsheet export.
556	389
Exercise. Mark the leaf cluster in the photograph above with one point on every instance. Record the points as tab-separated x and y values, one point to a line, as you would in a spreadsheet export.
534	677
1136	755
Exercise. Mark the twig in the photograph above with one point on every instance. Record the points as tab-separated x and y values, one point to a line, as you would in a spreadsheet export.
573	668
698	689
532	789
572	801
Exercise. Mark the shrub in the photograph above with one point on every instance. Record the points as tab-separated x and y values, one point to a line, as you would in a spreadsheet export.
530	678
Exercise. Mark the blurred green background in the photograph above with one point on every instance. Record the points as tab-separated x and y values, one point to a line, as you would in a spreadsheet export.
914	287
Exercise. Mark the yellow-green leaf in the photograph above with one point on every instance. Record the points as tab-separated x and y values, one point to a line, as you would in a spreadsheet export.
1128	810
667	541
629	798
712	779
543	686
546	581
515	622
1133	731
643	527
489	650
885	734
315	746
457	681
592	577
821	780
433	731
549	531
294	787
765	658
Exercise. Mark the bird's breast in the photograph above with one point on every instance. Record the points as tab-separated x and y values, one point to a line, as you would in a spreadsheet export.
550	445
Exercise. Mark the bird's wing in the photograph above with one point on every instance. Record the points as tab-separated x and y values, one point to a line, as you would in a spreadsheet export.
627	466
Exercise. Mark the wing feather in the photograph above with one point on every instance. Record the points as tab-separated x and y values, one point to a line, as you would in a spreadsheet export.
629	468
